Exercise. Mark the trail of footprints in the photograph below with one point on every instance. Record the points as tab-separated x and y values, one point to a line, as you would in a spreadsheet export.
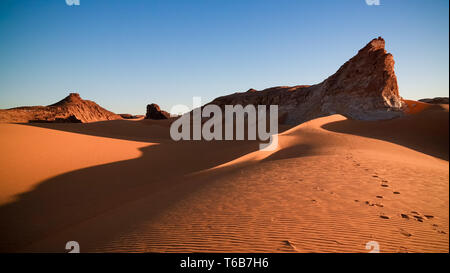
384	183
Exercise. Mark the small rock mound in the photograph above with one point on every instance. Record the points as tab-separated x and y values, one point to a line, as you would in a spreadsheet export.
130	116
155	112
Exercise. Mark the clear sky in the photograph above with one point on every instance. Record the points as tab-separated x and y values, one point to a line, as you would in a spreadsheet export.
125	54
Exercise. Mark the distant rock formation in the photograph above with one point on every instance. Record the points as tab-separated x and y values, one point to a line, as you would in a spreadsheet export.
154	112
364	88
70	109
130	116
438	100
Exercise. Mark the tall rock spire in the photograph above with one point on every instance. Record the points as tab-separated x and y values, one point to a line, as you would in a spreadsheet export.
364	88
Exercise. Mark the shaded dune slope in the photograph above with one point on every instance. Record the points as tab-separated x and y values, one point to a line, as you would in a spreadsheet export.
327	188
426	132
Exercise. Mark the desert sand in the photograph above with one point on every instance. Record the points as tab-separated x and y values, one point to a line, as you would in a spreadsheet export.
332	185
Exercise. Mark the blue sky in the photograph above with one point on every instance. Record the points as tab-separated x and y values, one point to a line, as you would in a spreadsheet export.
125	54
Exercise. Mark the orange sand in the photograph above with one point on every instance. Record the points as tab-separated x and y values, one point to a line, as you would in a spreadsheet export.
331	186
414	107
32	155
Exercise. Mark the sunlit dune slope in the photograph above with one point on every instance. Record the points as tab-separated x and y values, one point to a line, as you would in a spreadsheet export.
319	192
332	185
31	155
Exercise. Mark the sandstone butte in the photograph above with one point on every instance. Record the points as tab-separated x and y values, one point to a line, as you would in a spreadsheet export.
70	109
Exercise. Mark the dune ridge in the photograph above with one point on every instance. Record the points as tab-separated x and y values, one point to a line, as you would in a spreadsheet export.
324	190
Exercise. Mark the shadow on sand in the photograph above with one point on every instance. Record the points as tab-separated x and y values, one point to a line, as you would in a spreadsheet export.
85	205
162	175
430	127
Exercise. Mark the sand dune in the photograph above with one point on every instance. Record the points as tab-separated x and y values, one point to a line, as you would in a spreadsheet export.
331	186
32	155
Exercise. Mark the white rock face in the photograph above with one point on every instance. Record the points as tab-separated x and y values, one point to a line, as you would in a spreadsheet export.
364	88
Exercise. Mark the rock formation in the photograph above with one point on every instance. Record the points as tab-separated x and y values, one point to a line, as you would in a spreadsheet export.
71	109
364	88
438	100
130	116
154	112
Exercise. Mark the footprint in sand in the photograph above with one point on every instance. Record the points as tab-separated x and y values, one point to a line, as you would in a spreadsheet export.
416	216
402	249
404	232
396	192
373	204
290	245
379	196
384	217
384	185
435	227
318	189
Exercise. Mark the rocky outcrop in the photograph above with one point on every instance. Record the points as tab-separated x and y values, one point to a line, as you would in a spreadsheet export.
438	100
70	109
130	116
154	112
364	88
